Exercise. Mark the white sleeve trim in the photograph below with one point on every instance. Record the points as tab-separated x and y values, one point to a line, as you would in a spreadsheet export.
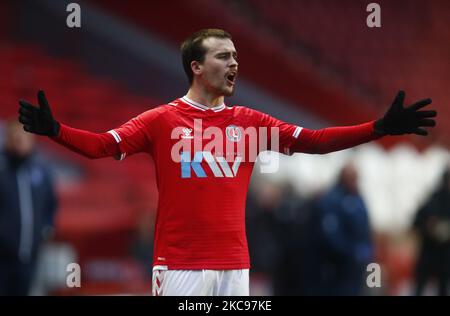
115	135
118	140
297	131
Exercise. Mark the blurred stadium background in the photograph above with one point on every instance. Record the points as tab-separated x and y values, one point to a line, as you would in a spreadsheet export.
312	62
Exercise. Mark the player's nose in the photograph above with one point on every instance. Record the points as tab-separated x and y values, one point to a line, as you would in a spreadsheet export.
233	67
233	63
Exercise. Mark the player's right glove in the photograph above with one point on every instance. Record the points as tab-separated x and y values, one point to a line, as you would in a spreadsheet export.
399	120
38	120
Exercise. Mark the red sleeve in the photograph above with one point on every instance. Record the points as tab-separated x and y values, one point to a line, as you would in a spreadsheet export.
136	135
279	130
334	138
88	144
132	137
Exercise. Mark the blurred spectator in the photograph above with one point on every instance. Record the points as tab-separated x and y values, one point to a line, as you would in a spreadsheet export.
273	220
340	246
142	244
262	231
27	207
432	223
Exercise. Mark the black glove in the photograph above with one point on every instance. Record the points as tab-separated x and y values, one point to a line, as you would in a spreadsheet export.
399	120
38	120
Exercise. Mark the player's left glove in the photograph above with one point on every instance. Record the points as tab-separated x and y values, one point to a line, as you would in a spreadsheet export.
399	120
38	120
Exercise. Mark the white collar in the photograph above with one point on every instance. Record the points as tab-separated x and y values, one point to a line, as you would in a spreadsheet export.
202	107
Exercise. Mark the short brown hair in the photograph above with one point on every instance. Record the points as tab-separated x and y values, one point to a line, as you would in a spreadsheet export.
192	48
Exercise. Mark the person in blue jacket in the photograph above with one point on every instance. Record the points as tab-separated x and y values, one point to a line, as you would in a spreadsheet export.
27	207
343	242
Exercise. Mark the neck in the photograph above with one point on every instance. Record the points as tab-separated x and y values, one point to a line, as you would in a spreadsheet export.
202	96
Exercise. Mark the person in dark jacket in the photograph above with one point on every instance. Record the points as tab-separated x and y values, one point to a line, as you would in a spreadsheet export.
342	242
27	208
432	222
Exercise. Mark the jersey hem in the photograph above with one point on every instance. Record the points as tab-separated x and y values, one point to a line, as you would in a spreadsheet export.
208	266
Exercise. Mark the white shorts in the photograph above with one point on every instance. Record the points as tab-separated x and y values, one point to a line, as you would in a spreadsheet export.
199	282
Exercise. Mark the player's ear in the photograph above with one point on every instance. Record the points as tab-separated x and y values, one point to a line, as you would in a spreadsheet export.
196	67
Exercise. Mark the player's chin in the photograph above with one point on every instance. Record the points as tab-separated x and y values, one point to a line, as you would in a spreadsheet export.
228	91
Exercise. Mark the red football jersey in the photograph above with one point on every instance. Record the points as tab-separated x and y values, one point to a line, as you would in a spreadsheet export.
204	159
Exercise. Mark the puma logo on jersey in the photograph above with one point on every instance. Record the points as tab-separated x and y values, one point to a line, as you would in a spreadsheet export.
218	165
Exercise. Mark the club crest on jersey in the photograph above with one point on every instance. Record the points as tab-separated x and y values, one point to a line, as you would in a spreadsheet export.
187	133
233	133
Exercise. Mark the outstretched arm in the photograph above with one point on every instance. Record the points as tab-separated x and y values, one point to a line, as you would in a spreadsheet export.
397	121
331	139
39	120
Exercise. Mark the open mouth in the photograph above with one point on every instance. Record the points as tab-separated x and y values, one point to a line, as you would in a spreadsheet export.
231	78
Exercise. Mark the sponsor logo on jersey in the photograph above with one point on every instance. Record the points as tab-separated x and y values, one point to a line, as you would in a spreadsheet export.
187	133
218	165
